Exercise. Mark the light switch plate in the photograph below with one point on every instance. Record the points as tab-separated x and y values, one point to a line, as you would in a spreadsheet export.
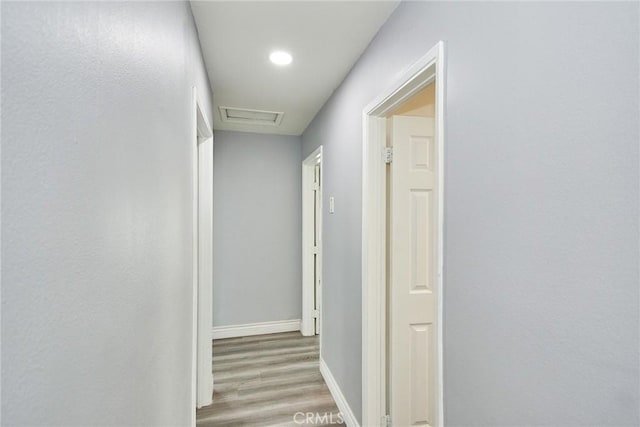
332	205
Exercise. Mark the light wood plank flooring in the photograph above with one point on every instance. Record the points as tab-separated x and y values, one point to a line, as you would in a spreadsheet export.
265	380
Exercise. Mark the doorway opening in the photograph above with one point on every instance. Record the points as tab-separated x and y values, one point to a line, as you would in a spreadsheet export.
312	244
202	166
402	248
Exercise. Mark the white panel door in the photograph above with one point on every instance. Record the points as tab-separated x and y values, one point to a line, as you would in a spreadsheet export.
412	273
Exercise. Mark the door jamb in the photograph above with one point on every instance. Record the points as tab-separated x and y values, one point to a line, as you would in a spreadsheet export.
307	324
431	66
202	132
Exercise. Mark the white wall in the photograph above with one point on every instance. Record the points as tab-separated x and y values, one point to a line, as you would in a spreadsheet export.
96	212
257	228
541	311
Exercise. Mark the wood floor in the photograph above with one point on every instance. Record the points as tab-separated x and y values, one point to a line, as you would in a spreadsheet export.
265	380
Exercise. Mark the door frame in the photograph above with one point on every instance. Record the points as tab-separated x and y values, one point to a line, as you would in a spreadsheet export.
307	327
374	199
201	333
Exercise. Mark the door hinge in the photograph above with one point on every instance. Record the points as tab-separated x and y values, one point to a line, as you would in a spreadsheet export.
388	155
386	421
315	250
315	314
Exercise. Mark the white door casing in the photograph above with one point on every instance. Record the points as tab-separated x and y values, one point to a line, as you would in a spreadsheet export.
317	208
413	286
202	199
205	269
426	70
312	244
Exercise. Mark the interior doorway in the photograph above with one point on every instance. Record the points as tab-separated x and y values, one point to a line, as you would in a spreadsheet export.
402	248
312	244
202	165
411	248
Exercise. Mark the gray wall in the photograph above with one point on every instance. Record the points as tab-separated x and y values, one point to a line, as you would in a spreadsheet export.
541	212
97	126
257	228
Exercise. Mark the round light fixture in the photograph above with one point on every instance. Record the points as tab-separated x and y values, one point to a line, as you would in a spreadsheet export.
280	57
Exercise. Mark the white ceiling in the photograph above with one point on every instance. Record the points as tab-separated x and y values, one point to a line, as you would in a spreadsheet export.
324	37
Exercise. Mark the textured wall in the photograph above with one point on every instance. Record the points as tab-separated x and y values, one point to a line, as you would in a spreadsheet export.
96	212
541	208
257	228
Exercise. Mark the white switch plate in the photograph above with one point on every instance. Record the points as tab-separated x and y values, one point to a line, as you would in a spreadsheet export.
332	205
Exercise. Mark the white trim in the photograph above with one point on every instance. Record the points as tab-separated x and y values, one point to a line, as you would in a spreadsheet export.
307	327
249	329
194	254
347	414
202	378
440	134
416	77
373	280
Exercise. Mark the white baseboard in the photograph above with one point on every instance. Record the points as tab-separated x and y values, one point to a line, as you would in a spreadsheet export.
249	329
347	414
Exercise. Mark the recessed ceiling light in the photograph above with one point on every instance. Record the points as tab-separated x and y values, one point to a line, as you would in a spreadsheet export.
280	57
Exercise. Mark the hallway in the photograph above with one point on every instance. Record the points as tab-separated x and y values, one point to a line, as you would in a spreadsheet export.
447	191
267	380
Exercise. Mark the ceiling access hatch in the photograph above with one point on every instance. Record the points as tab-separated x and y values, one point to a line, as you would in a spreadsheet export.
250	117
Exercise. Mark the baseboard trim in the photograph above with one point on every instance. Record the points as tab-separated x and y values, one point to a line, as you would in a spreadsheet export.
347	414
250	329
